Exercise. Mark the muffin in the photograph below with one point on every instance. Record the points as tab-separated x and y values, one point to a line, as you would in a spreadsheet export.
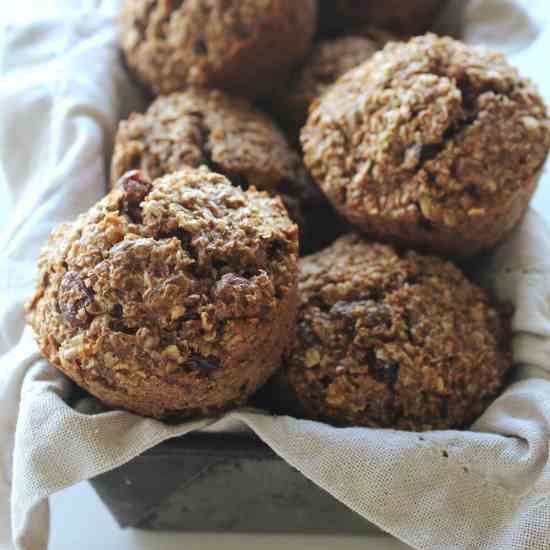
328	60
245	46
410	17
392	339
430	144
231	137
176	297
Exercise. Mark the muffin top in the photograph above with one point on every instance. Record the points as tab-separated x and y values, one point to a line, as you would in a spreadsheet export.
227	134
240	45
391	339
430	131
328	59
207	127
158	274
331	58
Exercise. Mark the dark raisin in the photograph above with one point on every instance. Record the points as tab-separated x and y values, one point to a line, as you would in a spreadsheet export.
136	187
241	30
206	365
219	264
390	370
199	47
134	161
429	151
413	278
376	294
474	192
74	296
190	317
382	371
119	326
116	311
425	224
274	250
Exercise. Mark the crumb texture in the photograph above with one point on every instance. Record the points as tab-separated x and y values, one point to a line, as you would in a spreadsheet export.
244	46
170	297
430	143
392	340
231	137
328	60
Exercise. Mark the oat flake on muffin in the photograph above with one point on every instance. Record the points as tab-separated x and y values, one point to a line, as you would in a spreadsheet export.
171	297
245	46
328	59
231	137
392	340
430	144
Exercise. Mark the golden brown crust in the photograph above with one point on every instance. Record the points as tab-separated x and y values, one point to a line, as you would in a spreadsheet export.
430	144
244	46
176	297
404	17
231	137
327	61
393	340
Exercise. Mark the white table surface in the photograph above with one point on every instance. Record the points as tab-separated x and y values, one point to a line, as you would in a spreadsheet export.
79	520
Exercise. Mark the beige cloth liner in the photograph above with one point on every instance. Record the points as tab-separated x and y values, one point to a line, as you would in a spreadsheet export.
63	89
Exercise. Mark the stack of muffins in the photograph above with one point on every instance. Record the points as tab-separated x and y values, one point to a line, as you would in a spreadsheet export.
317	128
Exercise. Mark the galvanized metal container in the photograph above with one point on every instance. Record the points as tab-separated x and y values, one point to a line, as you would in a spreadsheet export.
221	482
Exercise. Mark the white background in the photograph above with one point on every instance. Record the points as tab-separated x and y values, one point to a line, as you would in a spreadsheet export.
81	521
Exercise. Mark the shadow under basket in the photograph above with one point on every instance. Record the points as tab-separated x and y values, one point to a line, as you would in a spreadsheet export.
221	482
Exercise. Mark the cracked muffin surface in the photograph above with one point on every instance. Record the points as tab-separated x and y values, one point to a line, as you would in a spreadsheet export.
328	59
171	297
231	137
244	46
430	143
392	340
410	17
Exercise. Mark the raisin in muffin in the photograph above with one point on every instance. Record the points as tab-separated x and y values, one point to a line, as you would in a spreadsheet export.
329	59
409	17
171	297
392	340
227	134
245	46
430	144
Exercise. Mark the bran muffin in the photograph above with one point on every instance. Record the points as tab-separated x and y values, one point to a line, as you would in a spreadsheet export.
407	18
392	340
231	137
430	144
245	46
171	297
329	59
